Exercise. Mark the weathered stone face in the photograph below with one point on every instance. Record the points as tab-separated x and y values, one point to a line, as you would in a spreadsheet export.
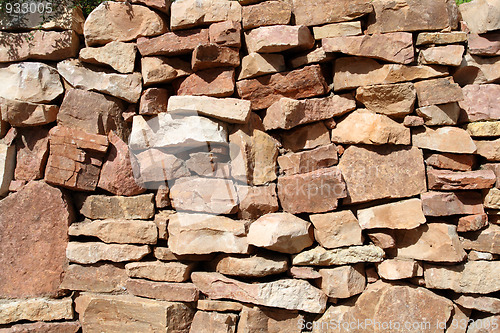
32	147
343	281
451	203
481	102
449	55
444	139
323	11
115	207
163	70
37	272
172	43
393	100
318	256
103	277
190	13
36	309
481	16
266	13
118	55
278	38
117	231
336	229
406	214
254	266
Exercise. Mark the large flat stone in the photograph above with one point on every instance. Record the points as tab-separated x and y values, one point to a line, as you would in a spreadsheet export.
117	231
266	13
336	229
163	69
459	162
97	207
46	327
481	102
444	139
190	13
117	55
438	91
92	252
173	43
406	214
453	203
254	266
215	82
373	173
160	271
319	256
449	55
481	16
163	291
394	100
35	309
440	38
279	38
100	278
468	180
319	12
309	160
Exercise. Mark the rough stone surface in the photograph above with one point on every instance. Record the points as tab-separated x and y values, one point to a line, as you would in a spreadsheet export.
287	113
227	33
373	173
153	101
153	167
393	100
449	55
367	127
37	272
484	128
35	309
343	281
218	306
266	90
54	327
459	162
24	114
163	70
260	319
444	139
444	114
213	55
319	256
337	30
281	232
490	150
306	137
486	240
203	234
32	146
439	38
438	91
480	303
472	222
124	86
214	322
484	45
117	231
173	43
92	252
468	180
97	207
215	82
117	55
316	55
279	38
254	266
44	89
313	192
190	13
100	278
255	201
356	72
336	229
477	70
266	13
452	203
255	64
287	293
397	269
310	160
324	11
481	16
163	291
406	214
121	22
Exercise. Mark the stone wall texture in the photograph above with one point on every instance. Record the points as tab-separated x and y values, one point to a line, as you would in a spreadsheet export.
251	166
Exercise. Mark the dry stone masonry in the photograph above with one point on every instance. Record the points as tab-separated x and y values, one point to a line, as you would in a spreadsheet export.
244	166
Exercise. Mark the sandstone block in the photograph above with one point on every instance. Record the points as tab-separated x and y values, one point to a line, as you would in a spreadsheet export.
214	322
218	306
343	281
336	229
317	55
389	99
319	256
449	55
472	222
309	160
490	150
32	146
444	114
254	266
439	38
255	64
255	201
445	204
117	55
486	240
173	43
163	70
23	114
117	231
227	33
337	30
405	214
213	55
484	128
384	239
397	269
459	162
480	303
215	82
190	13
306	137
484	45
35	309
304	272
92	252
97	207
153	101
154	166
444	139
438	91
481	16
468	180
477	70
262	319
163	291
279	38
266	13
323	11
100	278
50	327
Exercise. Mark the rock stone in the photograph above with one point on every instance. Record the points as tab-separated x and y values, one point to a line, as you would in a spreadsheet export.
495	167
317	55
255	201
121	22
266	13
313	192
190	13
306	137
324	11
452	180
490	150
173	43
213	55
75	158
254	266
393	100
117	55
484	45
214	322
367	127
393	47
353	72
481	16
19	85
459	162
23	114
54	327
309	160
218	306
287	113
32	147
472	222
163	70
118	313
484	128
444	139
397	269
124	86
97	207
439	38
406	16
480	303
163	291
203	234
319	256
38	45
464	278
117	231
281	232
430	242
227	33
337	30
37	272
279	38
303	272
153	132
343	281
255	64
405	214
35	309
449	55
92	112
92	252
286	293
215	82
413	121
384	239
477	70
100	278
452	203
153	101
230	110
208	165
262	319
444	114
438	91
336	229
476	256
373	173
486	240
154	166
266	90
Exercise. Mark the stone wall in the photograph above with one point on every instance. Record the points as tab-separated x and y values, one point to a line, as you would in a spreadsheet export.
252	166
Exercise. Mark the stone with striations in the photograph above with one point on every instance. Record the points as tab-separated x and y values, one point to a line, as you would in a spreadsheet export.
18	83
266	90
438	91
309	160
214	322
336	229
287	113
337	30
121	22
481	16
288	294
117	231
405	214
472	223
451	203
92	252
353	72
393	47
459	162
484	128
32	146
35	309
313	192
256	64
173	43
320	12
23	114
163	70
191	13
215	82
449	55
97	207
445	139
45	327
99	278
443	114
367	127
163	291
486	240
254	266
439	38
319	256
279	38
484	45
490	150
343	281
117	55
373	173
281	232
394	100
266	13
306	137
467	180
